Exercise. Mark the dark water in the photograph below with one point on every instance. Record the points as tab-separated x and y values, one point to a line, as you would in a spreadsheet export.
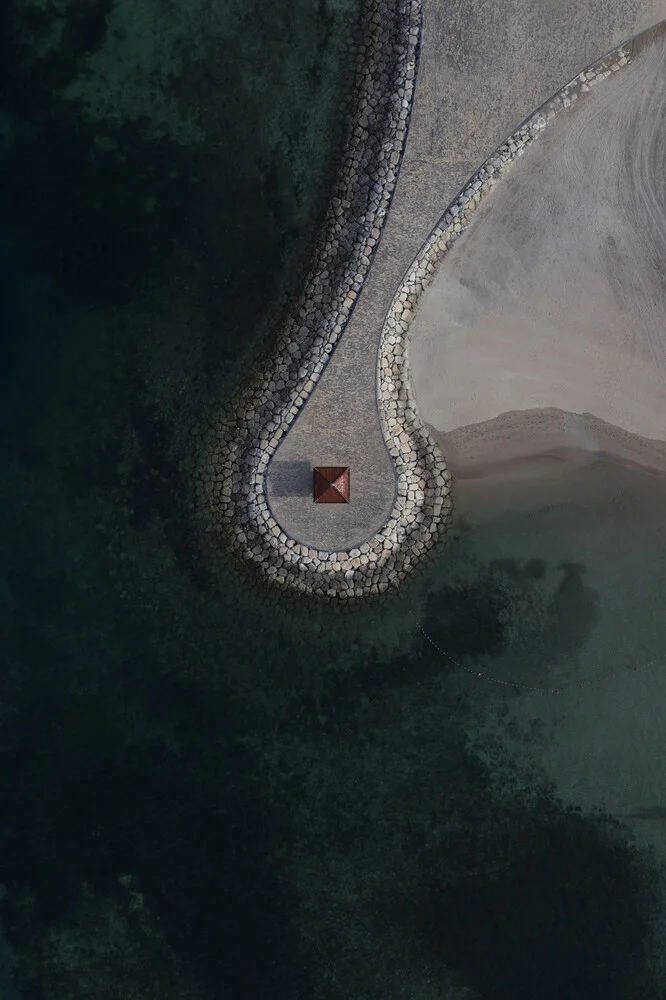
203	795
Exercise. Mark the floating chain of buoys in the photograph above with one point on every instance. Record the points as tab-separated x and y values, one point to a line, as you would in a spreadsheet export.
518	686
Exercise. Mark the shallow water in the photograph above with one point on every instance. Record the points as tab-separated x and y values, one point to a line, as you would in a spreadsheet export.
593	535
599	519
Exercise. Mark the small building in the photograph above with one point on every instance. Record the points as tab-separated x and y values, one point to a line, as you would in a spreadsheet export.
331	484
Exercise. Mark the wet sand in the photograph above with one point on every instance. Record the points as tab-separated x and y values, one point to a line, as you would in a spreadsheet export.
541	444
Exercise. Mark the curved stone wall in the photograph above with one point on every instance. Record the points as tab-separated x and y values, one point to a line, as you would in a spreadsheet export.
238	448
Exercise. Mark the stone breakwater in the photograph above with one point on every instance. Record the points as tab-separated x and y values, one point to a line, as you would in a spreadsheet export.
238	447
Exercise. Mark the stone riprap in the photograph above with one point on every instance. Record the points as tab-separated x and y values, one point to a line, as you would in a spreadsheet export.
239	446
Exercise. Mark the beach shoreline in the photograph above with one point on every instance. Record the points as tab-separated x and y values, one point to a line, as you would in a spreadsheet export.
527	459
544	442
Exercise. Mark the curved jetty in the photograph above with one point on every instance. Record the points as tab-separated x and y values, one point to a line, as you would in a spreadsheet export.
257	460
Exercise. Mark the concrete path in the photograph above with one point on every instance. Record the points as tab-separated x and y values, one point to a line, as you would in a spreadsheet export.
484	67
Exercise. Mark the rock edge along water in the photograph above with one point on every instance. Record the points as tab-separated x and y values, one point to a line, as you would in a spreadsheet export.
238	447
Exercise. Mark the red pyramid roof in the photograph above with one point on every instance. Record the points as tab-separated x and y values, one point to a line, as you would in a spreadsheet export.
331	484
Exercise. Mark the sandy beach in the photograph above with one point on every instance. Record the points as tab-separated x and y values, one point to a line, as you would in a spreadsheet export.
541	344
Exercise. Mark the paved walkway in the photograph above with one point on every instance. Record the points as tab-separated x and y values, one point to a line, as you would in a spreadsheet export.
483	69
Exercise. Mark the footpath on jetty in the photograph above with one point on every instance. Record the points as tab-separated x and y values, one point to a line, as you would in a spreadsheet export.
437	93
